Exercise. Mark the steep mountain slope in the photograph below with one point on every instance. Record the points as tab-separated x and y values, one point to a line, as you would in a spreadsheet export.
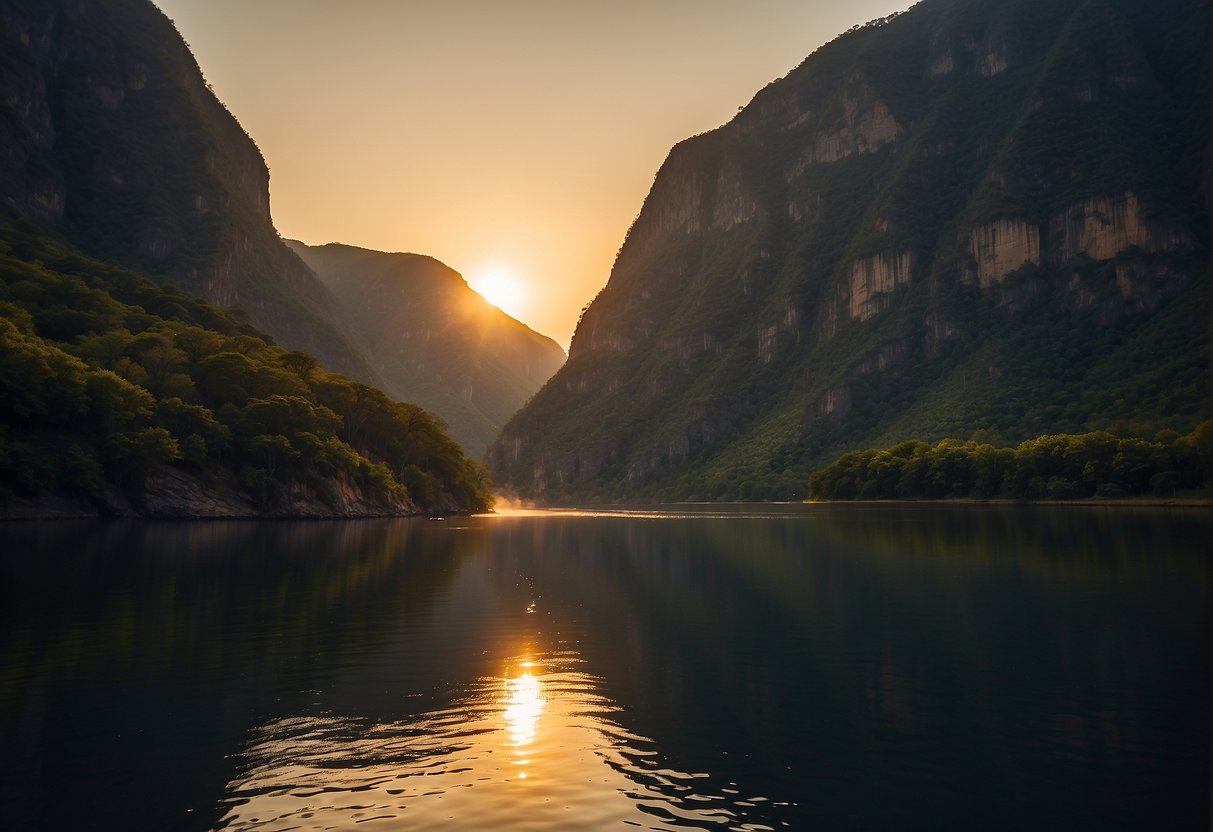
124	395
433	340
971	219
110	137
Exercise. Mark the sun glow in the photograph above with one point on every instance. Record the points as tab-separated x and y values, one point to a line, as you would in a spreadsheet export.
523	707
501	288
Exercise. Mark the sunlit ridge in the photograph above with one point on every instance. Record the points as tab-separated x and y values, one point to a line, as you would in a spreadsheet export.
502	289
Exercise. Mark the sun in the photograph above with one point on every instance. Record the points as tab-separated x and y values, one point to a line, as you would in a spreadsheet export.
502	289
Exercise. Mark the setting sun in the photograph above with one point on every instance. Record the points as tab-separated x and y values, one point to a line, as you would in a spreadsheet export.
502	289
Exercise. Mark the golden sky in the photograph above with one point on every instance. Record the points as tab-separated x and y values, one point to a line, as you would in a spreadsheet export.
519	136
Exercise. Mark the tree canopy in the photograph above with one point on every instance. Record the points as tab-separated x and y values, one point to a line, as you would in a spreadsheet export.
1059	466
107	376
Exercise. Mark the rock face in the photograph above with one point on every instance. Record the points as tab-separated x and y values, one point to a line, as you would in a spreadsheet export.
181	495
969	217
110	136
1104	227
1001	247
434	340
874	277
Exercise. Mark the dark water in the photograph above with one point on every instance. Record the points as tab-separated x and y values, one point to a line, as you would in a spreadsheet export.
806	667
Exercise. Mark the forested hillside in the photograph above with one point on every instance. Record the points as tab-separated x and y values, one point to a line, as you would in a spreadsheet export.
122	395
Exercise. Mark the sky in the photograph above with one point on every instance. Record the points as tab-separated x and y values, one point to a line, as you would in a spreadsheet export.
510	139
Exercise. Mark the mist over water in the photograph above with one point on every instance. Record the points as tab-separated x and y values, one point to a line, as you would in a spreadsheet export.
702	667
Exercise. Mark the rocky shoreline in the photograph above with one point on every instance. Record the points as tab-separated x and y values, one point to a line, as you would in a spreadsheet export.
180	495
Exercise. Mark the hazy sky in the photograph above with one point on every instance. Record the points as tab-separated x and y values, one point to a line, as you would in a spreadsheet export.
515	135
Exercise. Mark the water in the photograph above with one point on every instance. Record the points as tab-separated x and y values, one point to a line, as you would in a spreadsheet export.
789	667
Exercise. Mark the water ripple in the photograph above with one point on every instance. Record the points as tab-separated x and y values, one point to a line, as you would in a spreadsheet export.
537	748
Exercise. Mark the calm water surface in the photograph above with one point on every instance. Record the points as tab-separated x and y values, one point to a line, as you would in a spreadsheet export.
867	667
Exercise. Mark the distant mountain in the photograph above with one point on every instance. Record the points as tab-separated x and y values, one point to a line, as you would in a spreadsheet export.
972	219
434	341
111	138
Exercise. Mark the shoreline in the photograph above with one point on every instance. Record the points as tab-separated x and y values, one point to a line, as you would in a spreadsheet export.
75	513
1110	502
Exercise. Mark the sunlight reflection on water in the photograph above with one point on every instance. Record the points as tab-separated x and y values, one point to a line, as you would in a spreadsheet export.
537	748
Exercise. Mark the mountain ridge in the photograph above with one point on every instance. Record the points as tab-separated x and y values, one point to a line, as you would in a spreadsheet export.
853	259
434	340
111	138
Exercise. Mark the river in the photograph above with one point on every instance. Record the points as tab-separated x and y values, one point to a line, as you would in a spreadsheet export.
697	667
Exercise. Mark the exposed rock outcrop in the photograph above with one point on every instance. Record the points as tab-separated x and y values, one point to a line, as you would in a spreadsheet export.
919	232
1103	227
1000	49
177	494
863	133
874	277
1001	247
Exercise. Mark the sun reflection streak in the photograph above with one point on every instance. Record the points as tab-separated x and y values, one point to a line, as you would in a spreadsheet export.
524	705
530	747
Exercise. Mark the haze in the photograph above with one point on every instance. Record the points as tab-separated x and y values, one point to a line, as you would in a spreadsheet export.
519	137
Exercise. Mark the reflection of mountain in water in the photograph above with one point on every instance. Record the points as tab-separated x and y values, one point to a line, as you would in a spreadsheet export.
143	652
853	666
849	661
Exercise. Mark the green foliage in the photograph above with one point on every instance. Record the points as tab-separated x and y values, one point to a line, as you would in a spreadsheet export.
1055	467
726	358
108	399
130	456
114	402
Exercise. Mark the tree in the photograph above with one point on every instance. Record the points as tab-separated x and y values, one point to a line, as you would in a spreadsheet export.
132	456
114	402
299	363
274	451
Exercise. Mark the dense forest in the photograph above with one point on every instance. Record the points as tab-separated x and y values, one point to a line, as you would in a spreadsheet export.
109	380
1059	467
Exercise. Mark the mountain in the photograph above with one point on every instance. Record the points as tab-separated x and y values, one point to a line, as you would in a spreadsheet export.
972	219
111	138
123	395
433	340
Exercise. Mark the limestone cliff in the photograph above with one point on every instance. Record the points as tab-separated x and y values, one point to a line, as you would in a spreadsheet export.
1001	247
969	217
1107	226
874	277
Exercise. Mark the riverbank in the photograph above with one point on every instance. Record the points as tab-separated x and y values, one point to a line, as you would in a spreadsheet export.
180	495
1105	502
